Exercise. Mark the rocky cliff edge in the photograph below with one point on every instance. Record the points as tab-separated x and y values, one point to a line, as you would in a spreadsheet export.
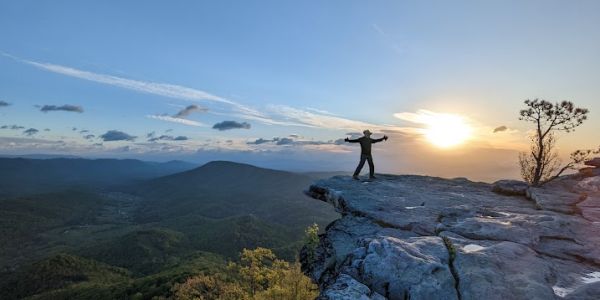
416	237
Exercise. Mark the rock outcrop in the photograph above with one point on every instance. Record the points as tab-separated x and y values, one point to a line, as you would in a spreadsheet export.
592	169
415	237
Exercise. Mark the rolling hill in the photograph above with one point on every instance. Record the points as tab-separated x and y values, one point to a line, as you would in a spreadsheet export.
256	206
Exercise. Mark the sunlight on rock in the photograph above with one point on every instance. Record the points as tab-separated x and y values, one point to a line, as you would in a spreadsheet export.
561	292
472	248
591	277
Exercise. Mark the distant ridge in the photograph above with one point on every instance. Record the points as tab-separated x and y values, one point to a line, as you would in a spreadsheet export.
20	176
40	156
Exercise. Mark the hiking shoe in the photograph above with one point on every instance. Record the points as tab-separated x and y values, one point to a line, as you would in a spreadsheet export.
372	177
355	177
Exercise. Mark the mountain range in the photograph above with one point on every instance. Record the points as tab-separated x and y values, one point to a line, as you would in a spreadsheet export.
123	227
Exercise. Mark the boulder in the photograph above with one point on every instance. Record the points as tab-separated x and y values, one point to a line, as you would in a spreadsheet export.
510	187
347	288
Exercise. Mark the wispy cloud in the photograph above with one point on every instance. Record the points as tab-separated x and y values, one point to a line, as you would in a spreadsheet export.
168	118
4	103
271	115
387	38
162	89
190	109
302	117
156	88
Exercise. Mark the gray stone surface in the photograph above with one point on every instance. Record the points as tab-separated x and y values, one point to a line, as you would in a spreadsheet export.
347	288
416	237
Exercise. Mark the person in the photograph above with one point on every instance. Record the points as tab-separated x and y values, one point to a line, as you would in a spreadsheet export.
365	152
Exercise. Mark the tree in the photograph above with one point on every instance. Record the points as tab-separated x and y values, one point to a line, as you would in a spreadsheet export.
542	163
258	275
311	241
255	268
201	287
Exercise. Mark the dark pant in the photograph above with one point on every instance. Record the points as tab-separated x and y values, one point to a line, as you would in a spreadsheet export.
368	158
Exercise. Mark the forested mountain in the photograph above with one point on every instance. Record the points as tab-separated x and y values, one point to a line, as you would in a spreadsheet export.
91	236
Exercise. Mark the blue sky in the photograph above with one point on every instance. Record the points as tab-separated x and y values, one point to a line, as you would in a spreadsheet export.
309	71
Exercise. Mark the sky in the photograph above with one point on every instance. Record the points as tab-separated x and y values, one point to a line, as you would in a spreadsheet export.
280	84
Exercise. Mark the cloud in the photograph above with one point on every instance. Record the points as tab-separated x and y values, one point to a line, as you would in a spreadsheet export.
168	118
320	111
89	136
500	128
4	103
354	135
47	129
161	89
425	118
115	135
272	114
66	107
227	125
13	127
188	110
259	141
299	117
84	131
30	131
283	141
168	138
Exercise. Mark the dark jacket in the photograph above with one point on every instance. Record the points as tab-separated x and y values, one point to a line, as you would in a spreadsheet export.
365	144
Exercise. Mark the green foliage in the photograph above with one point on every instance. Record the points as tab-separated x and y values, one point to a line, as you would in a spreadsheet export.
58	272
207	287
311	241
258	275
143	252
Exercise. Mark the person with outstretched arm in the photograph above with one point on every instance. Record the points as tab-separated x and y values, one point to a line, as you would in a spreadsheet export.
365	152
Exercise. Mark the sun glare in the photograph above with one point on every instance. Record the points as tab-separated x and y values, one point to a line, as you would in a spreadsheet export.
446	130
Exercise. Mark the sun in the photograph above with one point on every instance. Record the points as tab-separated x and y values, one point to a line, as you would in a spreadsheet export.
447	130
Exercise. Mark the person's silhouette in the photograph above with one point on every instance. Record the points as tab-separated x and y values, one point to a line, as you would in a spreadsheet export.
365	152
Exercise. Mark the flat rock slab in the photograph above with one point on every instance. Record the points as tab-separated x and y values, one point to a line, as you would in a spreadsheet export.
417	237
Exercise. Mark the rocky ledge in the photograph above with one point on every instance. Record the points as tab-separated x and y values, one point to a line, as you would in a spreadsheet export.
415	237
